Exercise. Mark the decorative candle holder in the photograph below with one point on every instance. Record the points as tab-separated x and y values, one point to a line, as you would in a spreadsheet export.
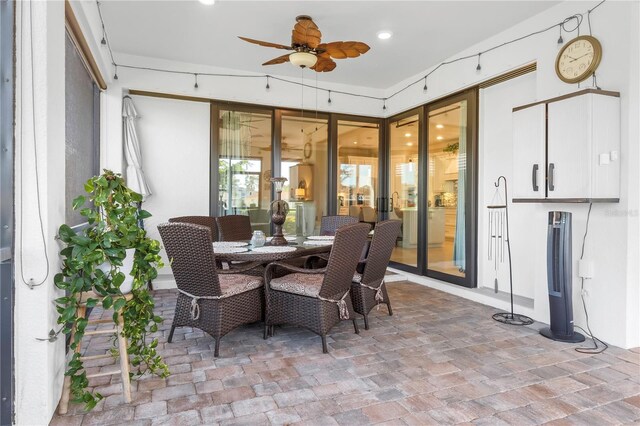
279	210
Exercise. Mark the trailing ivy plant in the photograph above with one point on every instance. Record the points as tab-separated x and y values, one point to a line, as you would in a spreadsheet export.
113	219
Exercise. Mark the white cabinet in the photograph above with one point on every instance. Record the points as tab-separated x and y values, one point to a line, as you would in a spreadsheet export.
567	149
529	152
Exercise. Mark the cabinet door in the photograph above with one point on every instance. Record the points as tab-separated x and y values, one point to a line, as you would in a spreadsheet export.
569	148
529	152
605	134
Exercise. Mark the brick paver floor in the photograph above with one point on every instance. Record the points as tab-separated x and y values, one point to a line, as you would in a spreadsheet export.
439	359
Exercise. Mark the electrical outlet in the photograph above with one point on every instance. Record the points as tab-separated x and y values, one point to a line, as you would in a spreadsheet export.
585	269
604	159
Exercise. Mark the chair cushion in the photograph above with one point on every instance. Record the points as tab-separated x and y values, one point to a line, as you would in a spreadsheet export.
299	283
238	283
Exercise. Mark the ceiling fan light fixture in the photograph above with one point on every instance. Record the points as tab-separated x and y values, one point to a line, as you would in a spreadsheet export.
303	59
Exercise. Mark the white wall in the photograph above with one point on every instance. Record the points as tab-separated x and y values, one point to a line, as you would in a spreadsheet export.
39	366
496	103
612	244
174	140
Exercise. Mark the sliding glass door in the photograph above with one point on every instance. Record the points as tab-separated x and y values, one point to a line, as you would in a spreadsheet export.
451	192
304	161
418	167
404	186
357	174
244	164
431	184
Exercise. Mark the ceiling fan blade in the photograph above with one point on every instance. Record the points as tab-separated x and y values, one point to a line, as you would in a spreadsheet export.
344	49
266	43
279	60
324	64
306	32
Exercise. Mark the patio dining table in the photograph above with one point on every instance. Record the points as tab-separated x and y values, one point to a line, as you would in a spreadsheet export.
262	257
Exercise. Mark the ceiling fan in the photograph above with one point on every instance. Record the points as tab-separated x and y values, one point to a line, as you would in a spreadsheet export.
309	51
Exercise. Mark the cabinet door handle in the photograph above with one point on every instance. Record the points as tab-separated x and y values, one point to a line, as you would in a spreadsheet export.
551	169
534	177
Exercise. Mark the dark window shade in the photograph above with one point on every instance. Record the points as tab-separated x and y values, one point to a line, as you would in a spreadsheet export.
82	124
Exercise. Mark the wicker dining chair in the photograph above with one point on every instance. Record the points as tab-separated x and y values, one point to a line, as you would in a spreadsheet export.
234	227
212	300
368	289
316	299
329	224
208	221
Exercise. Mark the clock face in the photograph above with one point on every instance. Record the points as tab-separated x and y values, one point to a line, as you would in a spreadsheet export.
578	59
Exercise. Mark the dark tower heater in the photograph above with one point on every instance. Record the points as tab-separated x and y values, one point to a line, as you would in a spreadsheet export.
559	277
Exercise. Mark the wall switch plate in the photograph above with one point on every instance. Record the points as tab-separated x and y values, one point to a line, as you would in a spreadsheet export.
585	269
604	159
614	155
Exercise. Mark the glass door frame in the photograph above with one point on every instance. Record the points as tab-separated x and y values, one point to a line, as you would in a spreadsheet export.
471	193
420	267
214	181
277	143
332	208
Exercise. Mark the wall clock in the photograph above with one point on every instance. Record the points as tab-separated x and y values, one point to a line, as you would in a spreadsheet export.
307	151
578	59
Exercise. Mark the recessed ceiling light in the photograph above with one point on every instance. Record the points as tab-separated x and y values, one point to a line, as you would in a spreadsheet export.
409	143
439	138
408	135
207	2
439	126
355	142
384	35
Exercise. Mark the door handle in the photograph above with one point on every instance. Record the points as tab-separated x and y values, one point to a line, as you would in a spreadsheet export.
534	177
382	204
552	167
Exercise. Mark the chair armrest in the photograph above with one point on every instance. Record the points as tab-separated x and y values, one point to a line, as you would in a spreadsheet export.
243	268
312	260
295	268
362	264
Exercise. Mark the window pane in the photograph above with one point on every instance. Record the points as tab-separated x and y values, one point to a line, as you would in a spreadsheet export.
447	185
403	186
304	164
245	166
357	169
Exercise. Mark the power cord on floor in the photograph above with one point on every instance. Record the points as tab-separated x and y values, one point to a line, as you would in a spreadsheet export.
595	349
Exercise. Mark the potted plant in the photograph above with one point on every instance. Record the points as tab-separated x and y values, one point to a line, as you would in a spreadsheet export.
92	261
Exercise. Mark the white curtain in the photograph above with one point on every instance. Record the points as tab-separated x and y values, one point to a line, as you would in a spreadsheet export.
134	174
459	243
235	135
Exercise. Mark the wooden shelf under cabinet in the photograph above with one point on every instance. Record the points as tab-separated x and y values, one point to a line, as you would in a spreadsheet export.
566	200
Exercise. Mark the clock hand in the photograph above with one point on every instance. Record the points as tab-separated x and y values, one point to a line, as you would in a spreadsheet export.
573	60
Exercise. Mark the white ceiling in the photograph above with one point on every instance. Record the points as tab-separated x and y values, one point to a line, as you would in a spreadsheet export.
424	32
